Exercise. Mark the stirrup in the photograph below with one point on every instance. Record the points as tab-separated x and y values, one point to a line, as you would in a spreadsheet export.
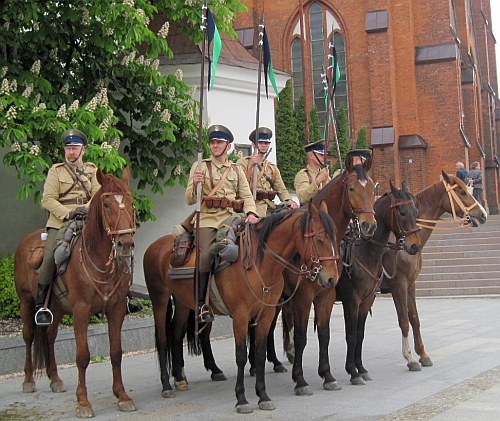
45	315
205	314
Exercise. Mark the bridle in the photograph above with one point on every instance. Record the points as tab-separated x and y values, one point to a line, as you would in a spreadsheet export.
454	199
353	211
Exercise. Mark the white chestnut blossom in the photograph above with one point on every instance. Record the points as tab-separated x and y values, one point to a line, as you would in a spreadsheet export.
61	113
35	150
179	74
165	116
163	32
35	68
15	147
74	106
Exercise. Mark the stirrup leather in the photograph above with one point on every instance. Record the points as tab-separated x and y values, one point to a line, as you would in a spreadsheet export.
42	311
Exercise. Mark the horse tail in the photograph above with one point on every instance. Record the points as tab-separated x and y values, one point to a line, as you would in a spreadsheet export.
168	329
40	347
193	340
286	332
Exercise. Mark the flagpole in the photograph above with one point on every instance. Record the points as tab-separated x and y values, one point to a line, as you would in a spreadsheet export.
257	113
304	79
200	157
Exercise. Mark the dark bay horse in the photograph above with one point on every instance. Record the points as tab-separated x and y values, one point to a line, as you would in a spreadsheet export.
449	195
97	279
349	198
249	292
395	213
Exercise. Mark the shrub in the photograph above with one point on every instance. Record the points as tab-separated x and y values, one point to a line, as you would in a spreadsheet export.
9	301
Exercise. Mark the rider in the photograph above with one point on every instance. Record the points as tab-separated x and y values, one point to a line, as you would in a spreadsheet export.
67	190
222	183
269	181
310	180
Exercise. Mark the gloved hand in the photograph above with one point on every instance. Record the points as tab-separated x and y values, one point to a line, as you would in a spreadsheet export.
80	212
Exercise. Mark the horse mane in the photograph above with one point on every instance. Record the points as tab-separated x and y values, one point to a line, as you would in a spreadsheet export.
93	225
360	171
428	196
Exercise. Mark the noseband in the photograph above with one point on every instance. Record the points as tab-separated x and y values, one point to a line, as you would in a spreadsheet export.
354	212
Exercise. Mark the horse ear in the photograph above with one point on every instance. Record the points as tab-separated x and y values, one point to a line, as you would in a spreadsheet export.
394	190
404	186
100	176
446	177
126	175
324	206
313	210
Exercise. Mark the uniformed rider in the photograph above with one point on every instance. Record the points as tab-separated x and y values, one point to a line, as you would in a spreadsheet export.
68	188
310	180
224	190
269	181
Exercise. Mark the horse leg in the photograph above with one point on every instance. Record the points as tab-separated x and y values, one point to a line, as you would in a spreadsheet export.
399	296
251	349
208	356
81	317
425	359
240	331
278	366
300	319
179	328
358	353
288	332
115	322
56	383
323	305
27	315
262	332
350	305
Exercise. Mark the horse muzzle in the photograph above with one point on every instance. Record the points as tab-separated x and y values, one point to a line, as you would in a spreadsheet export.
124	246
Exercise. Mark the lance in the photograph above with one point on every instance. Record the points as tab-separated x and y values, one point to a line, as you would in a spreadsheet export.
257	113
200	157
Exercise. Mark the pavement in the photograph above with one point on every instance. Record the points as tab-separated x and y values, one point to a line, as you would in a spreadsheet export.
461	335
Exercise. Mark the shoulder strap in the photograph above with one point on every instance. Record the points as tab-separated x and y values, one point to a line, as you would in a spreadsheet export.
76	180
309	176
235	168
221	181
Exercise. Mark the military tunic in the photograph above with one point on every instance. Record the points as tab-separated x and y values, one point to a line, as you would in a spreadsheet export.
235	186
305	184
269	179
58	182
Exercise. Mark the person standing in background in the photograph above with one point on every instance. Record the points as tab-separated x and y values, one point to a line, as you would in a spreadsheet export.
476	181
461	172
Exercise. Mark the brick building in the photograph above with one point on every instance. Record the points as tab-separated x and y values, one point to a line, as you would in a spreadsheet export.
420	75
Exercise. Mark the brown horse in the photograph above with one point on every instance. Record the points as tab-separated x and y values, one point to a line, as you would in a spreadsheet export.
349	197
395	213
449	195
97	279
249	292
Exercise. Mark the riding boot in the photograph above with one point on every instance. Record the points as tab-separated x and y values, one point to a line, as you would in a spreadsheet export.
43	316
205	312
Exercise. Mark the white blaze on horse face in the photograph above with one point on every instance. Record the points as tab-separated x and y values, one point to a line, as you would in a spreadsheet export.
363	182
119	199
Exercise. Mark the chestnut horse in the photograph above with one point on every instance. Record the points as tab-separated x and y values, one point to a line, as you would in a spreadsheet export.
349	198
250	292
395	213
449	195
97	279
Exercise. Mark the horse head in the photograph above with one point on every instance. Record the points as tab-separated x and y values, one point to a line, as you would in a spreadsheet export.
403	218
459	202
320	256
113	210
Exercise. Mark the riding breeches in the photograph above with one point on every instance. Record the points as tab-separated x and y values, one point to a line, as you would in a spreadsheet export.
207	238
48	267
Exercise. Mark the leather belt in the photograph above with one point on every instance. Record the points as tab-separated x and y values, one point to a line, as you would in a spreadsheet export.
76	201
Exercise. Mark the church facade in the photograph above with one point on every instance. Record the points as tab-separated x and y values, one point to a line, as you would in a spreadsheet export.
419	75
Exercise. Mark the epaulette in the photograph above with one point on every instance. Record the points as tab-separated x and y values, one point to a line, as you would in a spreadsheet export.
90	164
59	164
207	159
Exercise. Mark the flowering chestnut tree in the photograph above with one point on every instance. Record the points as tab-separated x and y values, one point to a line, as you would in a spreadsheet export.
94	65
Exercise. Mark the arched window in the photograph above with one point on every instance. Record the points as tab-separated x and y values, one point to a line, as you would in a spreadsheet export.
321	23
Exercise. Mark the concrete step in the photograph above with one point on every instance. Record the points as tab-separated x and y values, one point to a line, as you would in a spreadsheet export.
461	242
470	274
437	261
458	283
461	268
464	291
493	246
465	253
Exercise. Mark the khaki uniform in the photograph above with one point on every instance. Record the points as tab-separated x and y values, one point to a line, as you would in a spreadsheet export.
58	182
235	186
305	185
268	178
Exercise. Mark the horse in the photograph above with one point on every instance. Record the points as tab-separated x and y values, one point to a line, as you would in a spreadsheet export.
249	288
395	213
97	279
449	195
349	198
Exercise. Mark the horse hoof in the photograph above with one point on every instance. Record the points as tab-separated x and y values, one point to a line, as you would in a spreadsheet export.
84	412
366	376
267	406
58	387
414	366
358	381
280	368
29	387
168	393
181	386
303	391
332	386
426	362
290	357
244	409
127	406
253	372
219	377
